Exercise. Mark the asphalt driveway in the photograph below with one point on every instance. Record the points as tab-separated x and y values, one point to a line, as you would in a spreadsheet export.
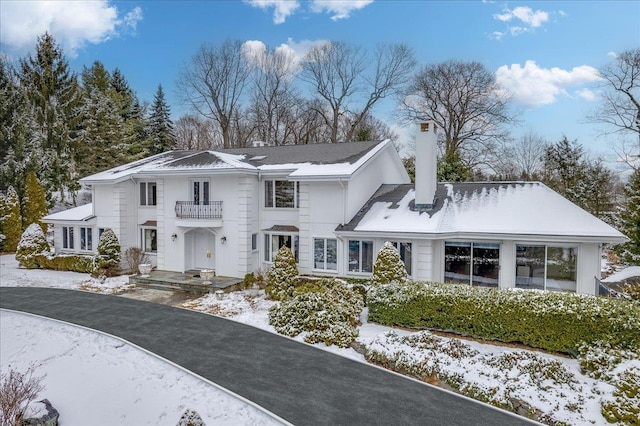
300	383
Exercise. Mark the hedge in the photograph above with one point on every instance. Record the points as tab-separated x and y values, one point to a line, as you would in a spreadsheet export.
558	322
66	262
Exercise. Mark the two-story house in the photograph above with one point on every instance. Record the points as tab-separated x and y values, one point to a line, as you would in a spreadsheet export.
335	205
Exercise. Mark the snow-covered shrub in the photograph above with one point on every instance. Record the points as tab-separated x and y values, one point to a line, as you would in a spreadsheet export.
389	267
66	262
625	408
281	274
32	243
329	315
108	259
10	220
632	290
599	359
17	390
549	320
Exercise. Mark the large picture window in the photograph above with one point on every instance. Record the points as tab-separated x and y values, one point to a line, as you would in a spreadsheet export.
273	243
360	256
86	239
472	263
546	267
67	237
325	254
281	194
149	240
148	194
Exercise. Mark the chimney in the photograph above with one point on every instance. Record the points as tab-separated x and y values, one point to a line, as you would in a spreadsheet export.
257	144
426	165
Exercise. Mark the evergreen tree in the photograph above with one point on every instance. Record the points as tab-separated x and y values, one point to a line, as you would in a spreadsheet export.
108	259
53	95
162	137
32	242
628	221
451	168
10	220
34	202
389	267
281	274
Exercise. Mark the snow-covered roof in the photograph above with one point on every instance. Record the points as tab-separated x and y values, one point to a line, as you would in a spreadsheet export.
526	209
76	214
298	161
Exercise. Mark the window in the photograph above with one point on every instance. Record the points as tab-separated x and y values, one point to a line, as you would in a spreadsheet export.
281	194
86	239
200	192
325	252
67	237
472	263
546	268
360	256
149	240
100	231
405	254
254	242
148	194
273	243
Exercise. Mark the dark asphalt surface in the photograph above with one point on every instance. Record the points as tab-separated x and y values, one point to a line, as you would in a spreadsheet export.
300	383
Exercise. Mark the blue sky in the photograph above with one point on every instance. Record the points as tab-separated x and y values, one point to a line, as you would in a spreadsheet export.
545	53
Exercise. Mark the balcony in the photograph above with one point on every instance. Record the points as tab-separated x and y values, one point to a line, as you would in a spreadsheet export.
199	214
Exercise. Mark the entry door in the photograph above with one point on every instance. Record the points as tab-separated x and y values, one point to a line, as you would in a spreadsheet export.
203	250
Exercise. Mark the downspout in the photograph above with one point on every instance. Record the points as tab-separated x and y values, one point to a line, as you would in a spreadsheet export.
136	195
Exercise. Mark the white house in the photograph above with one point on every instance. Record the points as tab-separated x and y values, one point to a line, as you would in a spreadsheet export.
335	205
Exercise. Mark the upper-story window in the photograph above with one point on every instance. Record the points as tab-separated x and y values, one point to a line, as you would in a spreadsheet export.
281	194
200	191
148	194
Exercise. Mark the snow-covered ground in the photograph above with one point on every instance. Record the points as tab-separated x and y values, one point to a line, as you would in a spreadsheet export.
551	384
625	274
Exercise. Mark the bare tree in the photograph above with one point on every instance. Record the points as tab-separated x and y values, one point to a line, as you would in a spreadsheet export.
349	82
621	99
307	124
462	98
196	132
522	158
213	84
273	95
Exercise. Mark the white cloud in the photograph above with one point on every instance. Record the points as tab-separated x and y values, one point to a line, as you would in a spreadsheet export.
282	9
72	23
524	19
534	86
612	54
341	9
586	94
256	49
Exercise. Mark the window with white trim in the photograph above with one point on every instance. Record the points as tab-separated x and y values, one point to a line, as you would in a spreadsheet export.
149	240
86	239
404	249
325	254
360	256
273	243
281	194
546	267
67	237
474	263
254	242
148	194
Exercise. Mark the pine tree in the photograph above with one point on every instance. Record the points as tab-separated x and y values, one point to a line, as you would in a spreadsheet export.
53	95
281	274
10	220
389	267
628	221
34	202
32	242
108	259
162	137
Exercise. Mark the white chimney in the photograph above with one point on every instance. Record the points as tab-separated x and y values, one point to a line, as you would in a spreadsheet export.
426	165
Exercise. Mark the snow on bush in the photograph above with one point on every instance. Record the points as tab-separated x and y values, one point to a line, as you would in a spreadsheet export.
281	274
108	259
552	321
327	311
32	243
516	380
389	267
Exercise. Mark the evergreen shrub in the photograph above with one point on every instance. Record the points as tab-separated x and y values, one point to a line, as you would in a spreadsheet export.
280	280
327	311
107	262
10	220
32	243
389	267
66	262
551	321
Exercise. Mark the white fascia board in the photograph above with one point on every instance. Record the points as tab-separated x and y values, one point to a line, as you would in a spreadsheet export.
194	172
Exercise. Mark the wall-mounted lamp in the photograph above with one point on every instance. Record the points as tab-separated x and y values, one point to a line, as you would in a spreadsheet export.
174	237
223	240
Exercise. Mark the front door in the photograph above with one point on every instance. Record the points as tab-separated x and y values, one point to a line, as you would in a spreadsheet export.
203	250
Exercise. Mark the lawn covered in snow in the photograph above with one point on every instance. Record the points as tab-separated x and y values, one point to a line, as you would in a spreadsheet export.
552	385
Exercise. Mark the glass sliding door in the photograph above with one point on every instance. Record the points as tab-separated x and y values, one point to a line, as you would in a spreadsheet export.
457	262
546	267
486	264
561	268
530	266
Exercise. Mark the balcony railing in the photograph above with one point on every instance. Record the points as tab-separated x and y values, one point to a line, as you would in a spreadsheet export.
199	210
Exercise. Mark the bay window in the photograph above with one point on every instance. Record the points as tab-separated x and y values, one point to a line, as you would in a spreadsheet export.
149	237
273	243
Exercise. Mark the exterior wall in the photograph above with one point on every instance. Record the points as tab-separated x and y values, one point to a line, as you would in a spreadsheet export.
589	259
425	270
